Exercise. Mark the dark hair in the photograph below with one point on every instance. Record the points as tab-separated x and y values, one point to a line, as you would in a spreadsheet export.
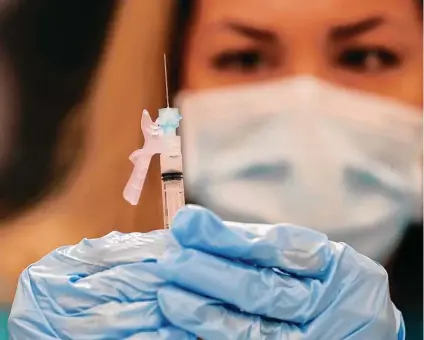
181	26
54	47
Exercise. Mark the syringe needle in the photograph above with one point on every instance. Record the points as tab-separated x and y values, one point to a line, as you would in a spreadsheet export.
166	80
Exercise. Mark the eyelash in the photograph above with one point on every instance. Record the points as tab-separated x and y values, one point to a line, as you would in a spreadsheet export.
356	59
247	60
352	58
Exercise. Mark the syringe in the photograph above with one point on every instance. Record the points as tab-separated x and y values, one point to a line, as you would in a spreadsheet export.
160	137
171	163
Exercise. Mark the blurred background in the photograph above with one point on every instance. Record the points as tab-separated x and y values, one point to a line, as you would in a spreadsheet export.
75	76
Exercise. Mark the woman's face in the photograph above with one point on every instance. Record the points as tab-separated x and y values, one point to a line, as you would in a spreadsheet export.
371	45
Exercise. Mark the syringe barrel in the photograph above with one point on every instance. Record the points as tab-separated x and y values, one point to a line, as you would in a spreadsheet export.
172	196
171	159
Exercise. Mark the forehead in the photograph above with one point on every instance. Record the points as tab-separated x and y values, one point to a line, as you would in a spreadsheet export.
300	13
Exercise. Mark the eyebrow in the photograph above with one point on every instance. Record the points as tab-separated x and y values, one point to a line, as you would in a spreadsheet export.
251	32
349	31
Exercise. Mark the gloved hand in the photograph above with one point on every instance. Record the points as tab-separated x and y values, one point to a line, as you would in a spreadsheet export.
239	282
98	289
108	288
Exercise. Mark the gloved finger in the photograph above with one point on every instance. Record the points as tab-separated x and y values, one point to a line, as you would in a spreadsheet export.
63	269
292	249
256	290
77	293
211	319
168	333
115	319
94	255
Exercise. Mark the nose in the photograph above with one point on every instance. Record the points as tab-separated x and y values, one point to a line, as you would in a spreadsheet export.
307	65
306	57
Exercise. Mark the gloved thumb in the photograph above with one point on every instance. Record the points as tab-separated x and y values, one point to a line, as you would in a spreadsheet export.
292	249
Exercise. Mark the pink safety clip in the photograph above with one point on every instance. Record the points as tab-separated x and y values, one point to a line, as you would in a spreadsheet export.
141	158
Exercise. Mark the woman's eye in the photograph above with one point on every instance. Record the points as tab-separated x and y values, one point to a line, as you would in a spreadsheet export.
251	60
368	59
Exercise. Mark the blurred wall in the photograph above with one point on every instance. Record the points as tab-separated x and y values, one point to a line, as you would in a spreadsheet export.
91	202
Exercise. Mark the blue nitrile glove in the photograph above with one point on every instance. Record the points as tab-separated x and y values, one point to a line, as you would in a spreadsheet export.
98	289
238	281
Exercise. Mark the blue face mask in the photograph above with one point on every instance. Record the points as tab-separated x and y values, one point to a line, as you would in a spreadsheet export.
306	152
